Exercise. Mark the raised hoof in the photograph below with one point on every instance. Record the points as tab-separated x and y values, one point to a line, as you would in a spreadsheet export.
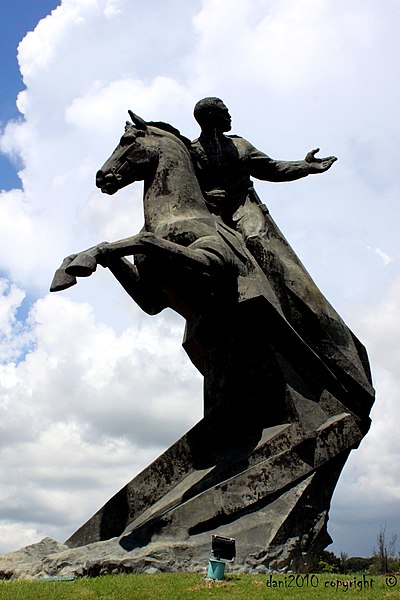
82	266
62	281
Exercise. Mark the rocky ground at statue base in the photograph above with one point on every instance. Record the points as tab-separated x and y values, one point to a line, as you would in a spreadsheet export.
49	558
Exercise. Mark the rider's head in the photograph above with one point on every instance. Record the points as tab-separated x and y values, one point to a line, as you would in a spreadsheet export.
211	113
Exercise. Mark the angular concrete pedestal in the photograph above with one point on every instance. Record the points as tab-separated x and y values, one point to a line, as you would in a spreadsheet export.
261	466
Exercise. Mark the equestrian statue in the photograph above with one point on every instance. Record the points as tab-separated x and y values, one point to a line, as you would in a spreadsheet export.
287	385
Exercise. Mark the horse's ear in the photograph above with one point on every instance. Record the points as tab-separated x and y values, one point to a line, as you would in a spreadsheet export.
137	121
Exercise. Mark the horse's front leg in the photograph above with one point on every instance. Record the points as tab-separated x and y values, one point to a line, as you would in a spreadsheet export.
156	247
85	262
81	264
63	280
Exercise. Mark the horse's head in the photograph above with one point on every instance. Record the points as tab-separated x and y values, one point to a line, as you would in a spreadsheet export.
132	159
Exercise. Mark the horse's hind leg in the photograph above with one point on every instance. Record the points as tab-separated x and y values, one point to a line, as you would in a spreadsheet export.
140	288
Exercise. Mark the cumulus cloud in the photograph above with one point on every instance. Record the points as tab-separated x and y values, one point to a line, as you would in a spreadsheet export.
285	45
91	388
14	335
85	408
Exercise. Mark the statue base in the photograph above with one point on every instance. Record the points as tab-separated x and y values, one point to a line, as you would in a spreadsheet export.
260	467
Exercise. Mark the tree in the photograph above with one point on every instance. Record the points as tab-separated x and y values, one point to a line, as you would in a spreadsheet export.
358	564
328	562
343	559
384	553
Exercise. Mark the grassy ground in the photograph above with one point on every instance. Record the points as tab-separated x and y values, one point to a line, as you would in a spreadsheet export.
185	586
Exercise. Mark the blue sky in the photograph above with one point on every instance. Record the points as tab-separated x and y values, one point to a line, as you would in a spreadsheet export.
296	74
17	17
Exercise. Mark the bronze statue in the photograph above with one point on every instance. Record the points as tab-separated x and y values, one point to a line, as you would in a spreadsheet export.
287	388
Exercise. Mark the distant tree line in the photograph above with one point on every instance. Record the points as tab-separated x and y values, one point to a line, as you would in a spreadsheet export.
385	558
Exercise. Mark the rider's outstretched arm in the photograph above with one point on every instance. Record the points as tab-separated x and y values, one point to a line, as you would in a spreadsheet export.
263	167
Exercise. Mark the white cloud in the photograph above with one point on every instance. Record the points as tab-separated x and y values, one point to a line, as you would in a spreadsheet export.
86	409
14	336
9	301
287	45
295	74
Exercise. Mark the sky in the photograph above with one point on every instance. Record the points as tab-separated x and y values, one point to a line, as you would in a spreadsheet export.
91	388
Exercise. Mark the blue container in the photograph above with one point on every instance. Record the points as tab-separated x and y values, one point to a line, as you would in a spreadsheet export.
216	569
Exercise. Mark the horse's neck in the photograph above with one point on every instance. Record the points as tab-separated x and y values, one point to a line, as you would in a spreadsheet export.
174	170
174	193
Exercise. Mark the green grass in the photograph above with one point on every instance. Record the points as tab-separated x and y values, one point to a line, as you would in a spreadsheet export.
190	585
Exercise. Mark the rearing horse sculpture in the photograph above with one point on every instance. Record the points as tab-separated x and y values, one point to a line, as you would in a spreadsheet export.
279	423
184	258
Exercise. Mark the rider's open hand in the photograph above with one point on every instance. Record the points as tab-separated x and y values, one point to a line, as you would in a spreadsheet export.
318	165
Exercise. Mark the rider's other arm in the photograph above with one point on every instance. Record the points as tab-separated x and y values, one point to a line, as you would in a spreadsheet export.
263	167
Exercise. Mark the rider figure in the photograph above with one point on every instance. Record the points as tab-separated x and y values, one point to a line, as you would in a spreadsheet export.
225	163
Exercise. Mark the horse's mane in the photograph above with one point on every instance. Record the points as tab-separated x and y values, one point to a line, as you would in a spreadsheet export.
170	129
